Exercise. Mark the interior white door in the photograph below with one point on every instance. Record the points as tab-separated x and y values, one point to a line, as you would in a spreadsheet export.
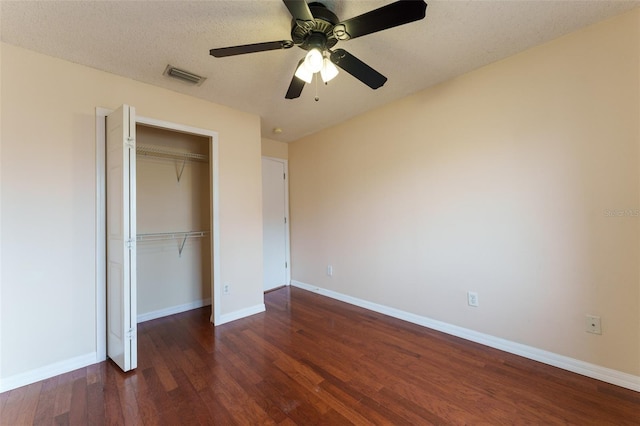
122	344
274	226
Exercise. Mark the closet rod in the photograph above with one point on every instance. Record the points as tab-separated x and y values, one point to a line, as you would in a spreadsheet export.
154	151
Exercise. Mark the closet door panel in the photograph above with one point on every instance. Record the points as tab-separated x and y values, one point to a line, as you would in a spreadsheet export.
121	236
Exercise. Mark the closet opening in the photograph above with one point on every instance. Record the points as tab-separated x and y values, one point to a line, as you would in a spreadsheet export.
178	233
173	216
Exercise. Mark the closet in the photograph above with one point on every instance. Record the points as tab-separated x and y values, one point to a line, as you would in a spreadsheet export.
173	214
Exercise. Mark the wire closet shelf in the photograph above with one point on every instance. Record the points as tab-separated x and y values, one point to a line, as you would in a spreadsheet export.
181	236
159	152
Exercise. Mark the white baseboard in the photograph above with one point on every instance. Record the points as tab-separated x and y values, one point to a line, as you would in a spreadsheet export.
242	313
173	310
47	371
594	371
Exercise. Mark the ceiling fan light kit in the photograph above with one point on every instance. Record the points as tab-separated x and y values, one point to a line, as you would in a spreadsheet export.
316	62
317	30
328	71
313	60
304	73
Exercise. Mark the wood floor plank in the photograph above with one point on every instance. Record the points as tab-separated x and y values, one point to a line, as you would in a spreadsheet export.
95	404
312	360
234	398
63	396
187	402
20	407
127	388
46	402
245	372
277	394
3	401
112	407
78	407
160	402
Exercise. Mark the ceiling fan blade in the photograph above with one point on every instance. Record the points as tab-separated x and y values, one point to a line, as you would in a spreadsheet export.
389	16
296	86
299	9
357	68
250	48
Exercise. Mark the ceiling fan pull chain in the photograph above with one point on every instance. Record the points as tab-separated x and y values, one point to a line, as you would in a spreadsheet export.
317	98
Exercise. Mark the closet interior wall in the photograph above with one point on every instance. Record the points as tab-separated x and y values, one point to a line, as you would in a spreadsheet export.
173	222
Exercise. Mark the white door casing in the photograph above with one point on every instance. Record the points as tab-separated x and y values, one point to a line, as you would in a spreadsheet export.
275	227
121	236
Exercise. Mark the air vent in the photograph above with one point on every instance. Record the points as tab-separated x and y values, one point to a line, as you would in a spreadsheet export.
186	76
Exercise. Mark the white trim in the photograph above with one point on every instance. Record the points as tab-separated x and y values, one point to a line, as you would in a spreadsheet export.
242	313
216	291
594	371
177	309
101	304
287	232
287	229
47	371
101	237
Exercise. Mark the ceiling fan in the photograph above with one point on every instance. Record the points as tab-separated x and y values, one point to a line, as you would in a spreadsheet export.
317	30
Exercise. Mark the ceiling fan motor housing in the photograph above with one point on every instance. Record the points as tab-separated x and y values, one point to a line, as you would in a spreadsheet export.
317	33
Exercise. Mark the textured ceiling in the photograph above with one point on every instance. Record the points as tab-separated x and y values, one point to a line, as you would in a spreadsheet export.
137	39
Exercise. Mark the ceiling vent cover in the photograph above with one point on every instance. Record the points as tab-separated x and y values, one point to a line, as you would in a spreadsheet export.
185	76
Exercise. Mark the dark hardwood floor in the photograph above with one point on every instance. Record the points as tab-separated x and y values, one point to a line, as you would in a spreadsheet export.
313	360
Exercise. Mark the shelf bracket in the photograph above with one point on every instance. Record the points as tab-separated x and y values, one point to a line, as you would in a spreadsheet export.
184	240
179	173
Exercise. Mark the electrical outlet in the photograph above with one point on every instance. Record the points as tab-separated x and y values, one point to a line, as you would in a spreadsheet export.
226	288
593	325
472	298
329	270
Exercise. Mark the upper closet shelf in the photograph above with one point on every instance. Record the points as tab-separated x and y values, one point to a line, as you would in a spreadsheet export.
154	151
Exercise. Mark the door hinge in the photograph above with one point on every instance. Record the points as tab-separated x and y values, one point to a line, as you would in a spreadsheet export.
130	143
286	265
131	243
130	334
284	176
285	220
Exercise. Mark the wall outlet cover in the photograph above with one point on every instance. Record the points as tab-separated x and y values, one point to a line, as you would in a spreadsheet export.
472	298
593	324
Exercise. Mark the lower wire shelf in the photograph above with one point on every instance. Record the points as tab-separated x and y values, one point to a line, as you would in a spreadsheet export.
179	235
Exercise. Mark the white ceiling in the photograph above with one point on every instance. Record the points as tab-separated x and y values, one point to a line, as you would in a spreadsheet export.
137	39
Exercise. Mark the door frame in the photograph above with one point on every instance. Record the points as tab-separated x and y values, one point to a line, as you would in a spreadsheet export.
101	237
285	164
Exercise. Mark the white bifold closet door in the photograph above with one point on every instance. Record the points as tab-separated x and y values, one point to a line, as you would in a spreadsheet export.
122	344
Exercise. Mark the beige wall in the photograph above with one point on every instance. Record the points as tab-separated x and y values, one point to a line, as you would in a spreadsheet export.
276	149
498	182
48	196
